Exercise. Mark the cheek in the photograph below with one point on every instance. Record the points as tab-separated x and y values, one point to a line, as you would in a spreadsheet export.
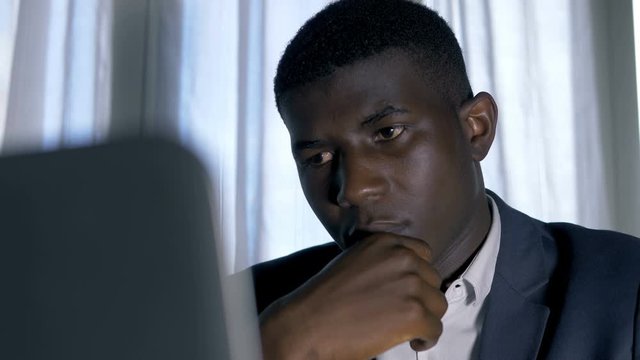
438	162
426	168
435	189
316	188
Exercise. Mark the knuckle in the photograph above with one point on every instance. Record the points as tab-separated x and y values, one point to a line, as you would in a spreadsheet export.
437	329
433	277
432	331
414	309
413	284
428	323
427	250
404	258
440	306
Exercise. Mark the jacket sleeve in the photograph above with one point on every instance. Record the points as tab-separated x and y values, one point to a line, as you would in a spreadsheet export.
277	278
636	329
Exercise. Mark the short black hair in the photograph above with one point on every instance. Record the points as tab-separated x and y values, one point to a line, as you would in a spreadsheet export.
347	31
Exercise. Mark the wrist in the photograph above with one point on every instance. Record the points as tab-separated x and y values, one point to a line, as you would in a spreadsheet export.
284	333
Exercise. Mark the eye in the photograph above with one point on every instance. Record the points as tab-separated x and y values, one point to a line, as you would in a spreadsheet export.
389	133
318	159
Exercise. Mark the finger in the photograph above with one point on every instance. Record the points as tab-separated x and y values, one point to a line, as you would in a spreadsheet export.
435	301
421	248
420	345
429	274
431	300
404	261
424	330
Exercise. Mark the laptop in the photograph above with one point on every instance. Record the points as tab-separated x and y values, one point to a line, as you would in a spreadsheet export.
108	252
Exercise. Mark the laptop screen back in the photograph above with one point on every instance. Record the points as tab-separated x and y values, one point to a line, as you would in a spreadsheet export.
108	253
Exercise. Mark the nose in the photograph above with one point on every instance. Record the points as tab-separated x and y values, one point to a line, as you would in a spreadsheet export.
359	180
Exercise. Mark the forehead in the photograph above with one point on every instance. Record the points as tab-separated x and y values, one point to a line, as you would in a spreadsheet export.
355	91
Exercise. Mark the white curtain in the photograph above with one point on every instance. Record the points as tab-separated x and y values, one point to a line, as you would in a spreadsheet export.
77	72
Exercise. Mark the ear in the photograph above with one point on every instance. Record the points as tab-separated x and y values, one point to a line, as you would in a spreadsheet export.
478	118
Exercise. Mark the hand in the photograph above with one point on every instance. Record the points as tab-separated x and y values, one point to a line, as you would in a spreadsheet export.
381	292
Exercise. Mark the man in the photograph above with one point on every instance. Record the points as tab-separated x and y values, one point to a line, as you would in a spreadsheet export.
388	138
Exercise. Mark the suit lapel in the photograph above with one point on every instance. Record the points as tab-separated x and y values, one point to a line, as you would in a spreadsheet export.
516	315
513	327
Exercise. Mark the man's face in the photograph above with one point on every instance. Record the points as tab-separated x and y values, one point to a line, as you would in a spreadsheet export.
378	150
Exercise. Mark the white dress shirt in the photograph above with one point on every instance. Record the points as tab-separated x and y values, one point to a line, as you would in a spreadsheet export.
462	323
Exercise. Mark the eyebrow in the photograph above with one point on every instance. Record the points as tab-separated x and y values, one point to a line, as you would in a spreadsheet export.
379	115
368	121
301	145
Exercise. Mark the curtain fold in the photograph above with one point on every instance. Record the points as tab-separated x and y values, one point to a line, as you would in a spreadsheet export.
36	29
609	55
560	152
249	203
87	71
8	21
59	67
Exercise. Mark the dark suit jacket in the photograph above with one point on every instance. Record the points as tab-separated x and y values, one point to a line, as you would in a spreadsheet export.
560	291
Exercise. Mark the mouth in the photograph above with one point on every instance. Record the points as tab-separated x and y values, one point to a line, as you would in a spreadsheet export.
356	234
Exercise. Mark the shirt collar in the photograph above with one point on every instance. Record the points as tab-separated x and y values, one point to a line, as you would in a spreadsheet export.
478	276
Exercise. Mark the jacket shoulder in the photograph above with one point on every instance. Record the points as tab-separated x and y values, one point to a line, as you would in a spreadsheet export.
598	249
276	278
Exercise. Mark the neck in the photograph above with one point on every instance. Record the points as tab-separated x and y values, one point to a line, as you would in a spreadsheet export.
453	265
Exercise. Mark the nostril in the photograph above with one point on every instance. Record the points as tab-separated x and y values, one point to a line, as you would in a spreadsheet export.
357	194
341	200
355	183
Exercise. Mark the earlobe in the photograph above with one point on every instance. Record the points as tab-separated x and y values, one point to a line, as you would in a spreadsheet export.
479	117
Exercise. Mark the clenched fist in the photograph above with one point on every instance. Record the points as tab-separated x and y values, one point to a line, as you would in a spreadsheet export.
381	292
